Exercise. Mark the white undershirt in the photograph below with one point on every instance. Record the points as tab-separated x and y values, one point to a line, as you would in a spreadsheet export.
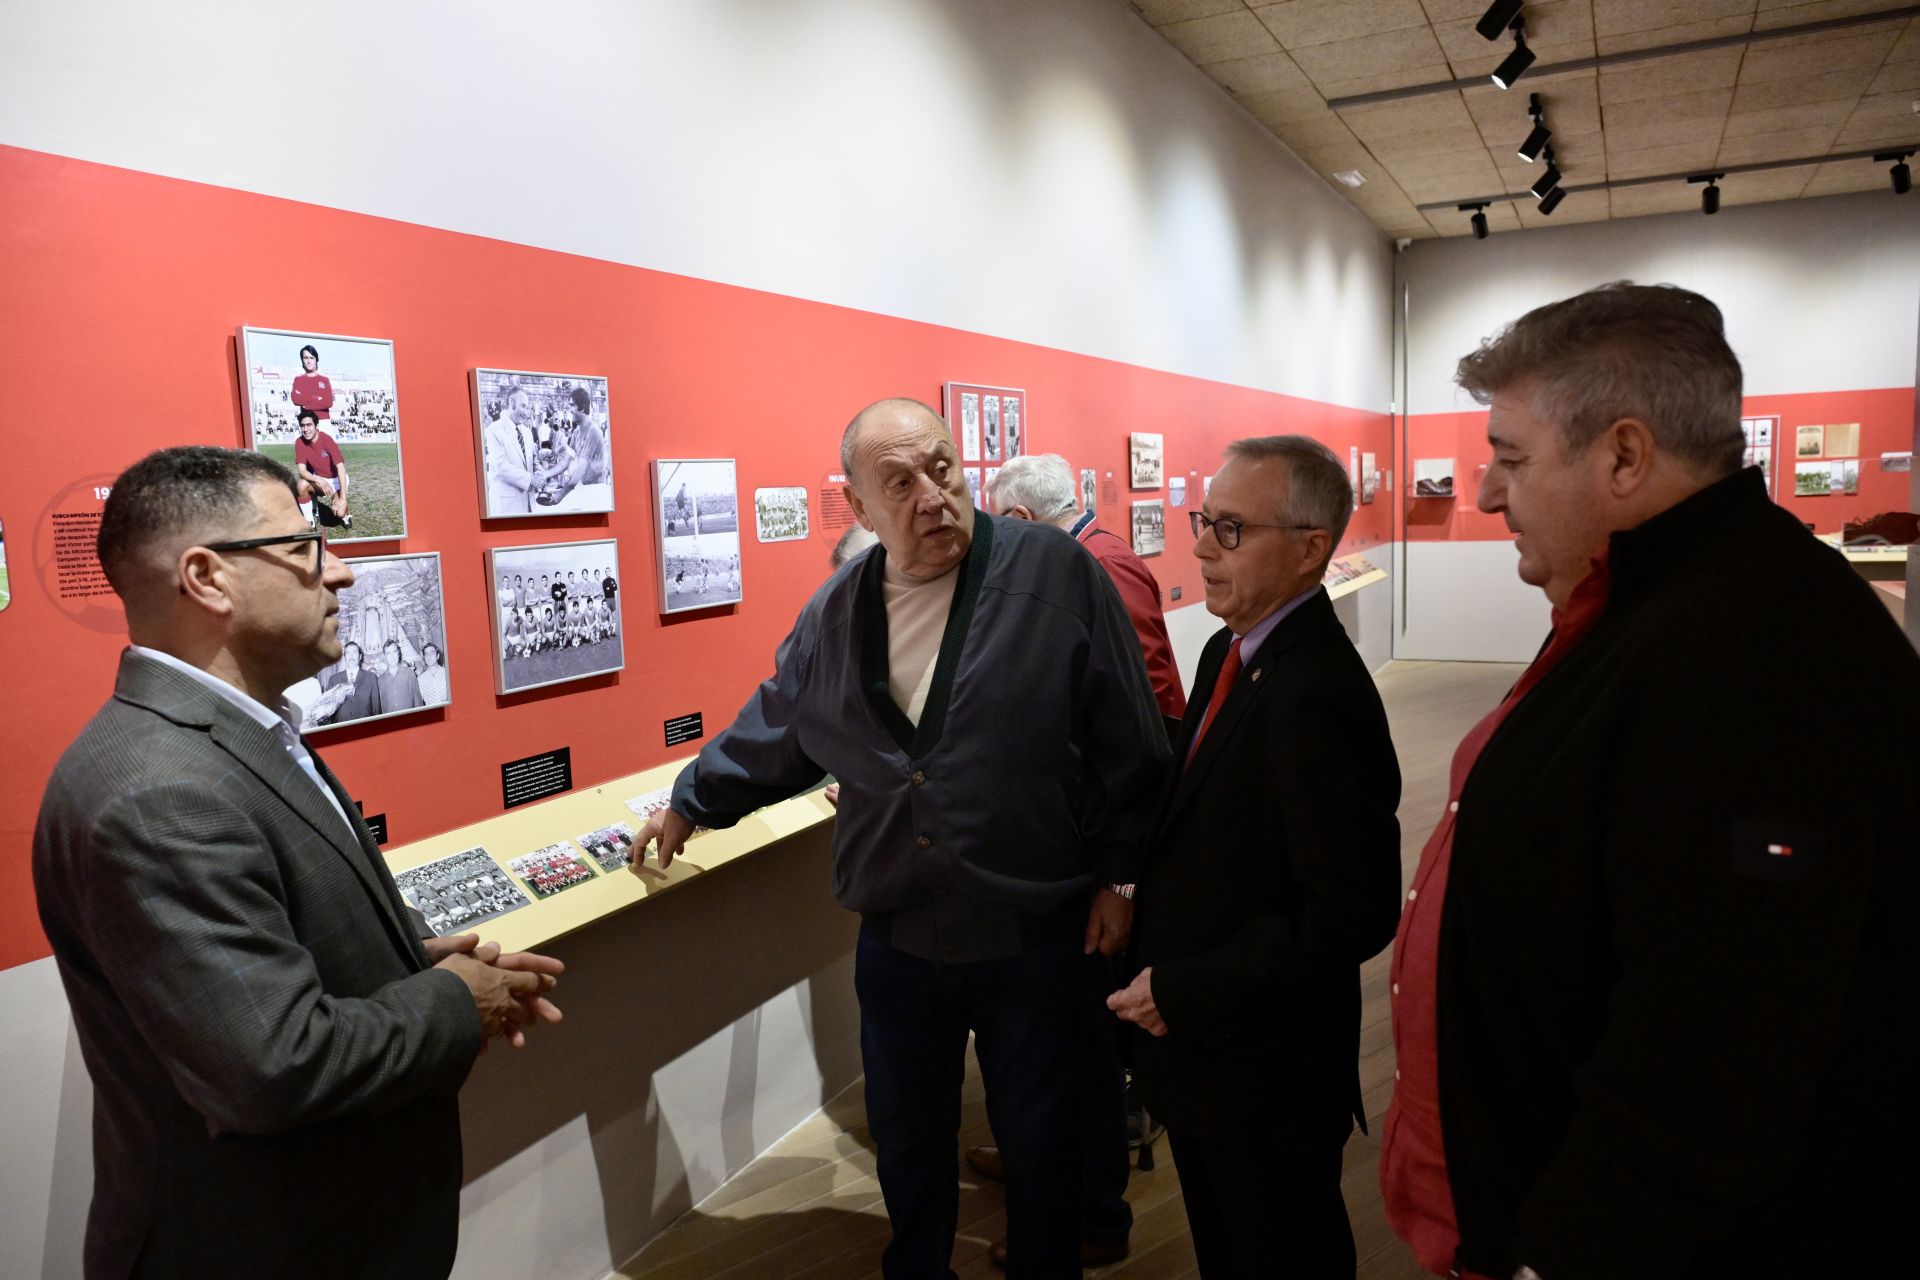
916	619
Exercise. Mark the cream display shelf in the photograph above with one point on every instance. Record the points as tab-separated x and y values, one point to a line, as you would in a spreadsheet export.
535	826
1350	573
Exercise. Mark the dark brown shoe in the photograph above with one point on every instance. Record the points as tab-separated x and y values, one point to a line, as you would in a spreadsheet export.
986	1162
1092	1253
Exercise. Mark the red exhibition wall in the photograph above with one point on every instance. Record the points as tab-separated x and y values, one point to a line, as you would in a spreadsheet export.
1885	415
122	292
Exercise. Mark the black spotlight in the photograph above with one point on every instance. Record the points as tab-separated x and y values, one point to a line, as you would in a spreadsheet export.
1547	181
1900	175
1479	219
1710	198
1518	61
1551	201
1530	149
1499	15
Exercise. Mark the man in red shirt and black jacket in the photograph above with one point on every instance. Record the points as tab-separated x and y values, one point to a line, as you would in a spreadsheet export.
1647	982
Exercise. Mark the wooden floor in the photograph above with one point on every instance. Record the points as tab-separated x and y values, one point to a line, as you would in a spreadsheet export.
810	1208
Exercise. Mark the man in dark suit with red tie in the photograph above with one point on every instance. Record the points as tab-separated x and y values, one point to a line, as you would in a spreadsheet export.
1274	872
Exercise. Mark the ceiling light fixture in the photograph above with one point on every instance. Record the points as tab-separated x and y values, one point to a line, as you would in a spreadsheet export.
1350	177
1546	181
1530	149
1900	175
1710	198
1518	61
1498	15
1479	219
1551	201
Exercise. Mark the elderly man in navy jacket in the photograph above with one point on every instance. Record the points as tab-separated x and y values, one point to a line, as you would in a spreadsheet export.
976	687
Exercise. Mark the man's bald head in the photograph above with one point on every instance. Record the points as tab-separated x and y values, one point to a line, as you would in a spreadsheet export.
895	411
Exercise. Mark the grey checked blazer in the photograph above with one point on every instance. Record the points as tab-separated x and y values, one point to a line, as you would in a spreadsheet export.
275	1064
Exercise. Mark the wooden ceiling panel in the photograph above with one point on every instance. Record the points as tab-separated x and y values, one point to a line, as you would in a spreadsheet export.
1763	148
1262	73
1342	61
1298	24
1764	188
1793	13
1160	13
1655	37
1624	17
1897	77
1220	38
1818	54
1780	119
1666	77
1581	206
1685	157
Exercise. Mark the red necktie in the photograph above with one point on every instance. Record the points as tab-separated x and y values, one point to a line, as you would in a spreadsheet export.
1222	685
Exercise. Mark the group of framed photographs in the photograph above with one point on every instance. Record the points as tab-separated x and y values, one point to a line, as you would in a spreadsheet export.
992	426
327	406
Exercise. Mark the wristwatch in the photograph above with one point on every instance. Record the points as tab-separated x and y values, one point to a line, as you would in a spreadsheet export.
1124	890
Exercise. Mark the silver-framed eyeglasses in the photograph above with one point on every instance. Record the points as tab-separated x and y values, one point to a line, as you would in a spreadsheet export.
317	537
1227	529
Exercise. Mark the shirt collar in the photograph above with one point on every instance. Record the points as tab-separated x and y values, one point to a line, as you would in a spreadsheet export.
1257	634
285	716
1086	518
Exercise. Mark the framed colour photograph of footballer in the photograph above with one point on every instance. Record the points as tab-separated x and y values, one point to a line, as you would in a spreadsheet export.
326	406
989	423
544	441
697	529
556	613
393	646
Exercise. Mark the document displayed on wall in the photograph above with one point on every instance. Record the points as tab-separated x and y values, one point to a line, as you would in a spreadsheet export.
1089	484
1146	462
545	443
547	871
6	587
780	515
1843	439
1369	476
459	891
1809	442
1353	473
611	847
393	637
1177	491
835	512
326	407
556	613
698	533
1149	527
991	421
1759	446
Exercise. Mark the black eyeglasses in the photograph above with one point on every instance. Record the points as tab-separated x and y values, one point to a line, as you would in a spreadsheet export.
1227	529
316	536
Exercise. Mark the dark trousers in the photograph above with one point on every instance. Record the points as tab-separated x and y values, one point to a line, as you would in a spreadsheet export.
1264	1201
1029	1023
1106	1218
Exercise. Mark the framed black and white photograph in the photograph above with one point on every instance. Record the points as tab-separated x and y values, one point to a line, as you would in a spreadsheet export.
780	515
556	613
611	847
1369	476
326	406
969	426
544	441
1010	424
991	422
1146	465
1149	527
697	527
990	415
393	646
460	890
1177	491
1089	486
976	487
547	871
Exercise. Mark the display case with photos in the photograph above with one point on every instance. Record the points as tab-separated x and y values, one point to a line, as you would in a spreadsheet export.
555	613
544	443
328	408
393	646
697	533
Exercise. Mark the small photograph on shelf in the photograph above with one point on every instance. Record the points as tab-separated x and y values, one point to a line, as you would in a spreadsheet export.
1146	464
1433	477
1843	439
1177	491
975	488
652	802
1809	442
556	613
698	533
459	891
393	637
1812	480
1369	477
990	408
611	847
969	426
1896	461
548	871
780	515
1149	527
1089	488
1010	418
545	443
326	407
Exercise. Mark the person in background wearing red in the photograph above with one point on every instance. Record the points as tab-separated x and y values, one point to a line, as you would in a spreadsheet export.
1646	983
322	470
312	389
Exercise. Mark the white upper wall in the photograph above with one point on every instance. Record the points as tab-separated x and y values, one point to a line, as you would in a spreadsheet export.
1050	172
1819	295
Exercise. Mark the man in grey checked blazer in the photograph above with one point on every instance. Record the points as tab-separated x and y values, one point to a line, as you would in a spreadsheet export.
275	1053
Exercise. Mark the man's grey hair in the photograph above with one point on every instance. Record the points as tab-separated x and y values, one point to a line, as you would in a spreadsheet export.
855	540
1041	482
1318	492
1657	353
851	436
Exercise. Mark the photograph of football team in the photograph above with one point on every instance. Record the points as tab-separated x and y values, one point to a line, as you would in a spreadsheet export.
611	847
547	871
326	407
544	441
556	613
459	891
698	532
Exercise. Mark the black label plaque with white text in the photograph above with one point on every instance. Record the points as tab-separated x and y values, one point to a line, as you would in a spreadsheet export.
536	777
377	828
685	729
